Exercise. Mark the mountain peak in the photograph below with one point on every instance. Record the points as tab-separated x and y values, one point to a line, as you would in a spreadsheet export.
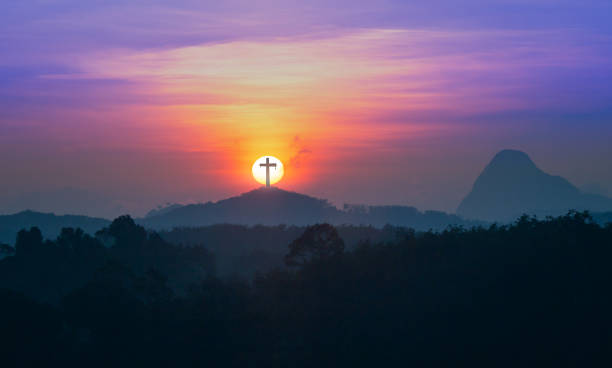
266	206
274	196
512	161
510	155
511	185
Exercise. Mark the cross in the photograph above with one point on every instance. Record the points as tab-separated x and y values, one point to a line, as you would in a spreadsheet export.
268	165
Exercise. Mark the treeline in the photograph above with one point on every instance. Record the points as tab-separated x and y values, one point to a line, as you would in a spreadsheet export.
241	251
48	270
534	293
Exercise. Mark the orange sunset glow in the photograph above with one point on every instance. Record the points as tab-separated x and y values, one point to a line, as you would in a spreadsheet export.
305	183
394	108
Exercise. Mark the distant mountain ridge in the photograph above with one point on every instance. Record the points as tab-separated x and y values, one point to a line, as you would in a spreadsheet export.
511	185
263	206
273	206
49	224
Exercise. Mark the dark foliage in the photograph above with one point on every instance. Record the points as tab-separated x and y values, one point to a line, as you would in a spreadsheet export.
242	251
534	293
318	243
49	270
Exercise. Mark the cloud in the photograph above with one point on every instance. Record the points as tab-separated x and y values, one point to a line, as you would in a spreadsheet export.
35	29
349	78
363	85
297	159
299	152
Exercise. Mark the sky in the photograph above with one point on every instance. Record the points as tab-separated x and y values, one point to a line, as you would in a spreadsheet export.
112	107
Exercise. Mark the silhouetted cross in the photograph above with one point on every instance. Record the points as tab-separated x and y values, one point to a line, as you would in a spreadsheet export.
268	165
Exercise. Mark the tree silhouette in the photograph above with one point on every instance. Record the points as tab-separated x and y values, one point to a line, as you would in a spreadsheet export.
28	242
317	243
531	293
124	233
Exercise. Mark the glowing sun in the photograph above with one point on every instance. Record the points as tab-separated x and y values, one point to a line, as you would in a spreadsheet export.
269	164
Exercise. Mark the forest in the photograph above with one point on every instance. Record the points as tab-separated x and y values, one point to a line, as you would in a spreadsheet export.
535	292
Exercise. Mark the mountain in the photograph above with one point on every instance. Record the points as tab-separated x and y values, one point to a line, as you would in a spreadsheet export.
263	206
49	224
273	206
512	185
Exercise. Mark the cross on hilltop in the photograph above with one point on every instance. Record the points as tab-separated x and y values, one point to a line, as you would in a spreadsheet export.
268	165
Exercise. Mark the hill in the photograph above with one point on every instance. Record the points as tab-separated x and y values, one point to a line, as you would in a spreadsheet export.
273	206
264	206
261	206
511	185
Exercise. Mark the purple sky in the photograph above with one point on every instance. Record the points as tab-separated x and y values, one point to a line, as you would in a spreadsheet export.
108	108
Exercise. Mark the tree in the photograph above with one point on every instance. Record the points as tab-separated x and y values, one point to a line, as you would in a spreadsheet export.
28	242
318	242
124	232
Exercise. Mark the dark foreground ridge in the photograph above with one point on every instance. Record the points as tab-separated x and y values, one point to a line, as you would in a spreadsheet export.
511	185
534	293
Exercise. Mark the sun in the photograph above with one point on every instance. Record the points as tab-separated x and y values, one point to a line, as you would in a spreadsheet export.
276	170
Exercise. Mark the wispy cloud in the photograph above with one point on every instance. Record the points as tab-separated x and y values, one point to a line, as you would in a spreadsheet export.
355	81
